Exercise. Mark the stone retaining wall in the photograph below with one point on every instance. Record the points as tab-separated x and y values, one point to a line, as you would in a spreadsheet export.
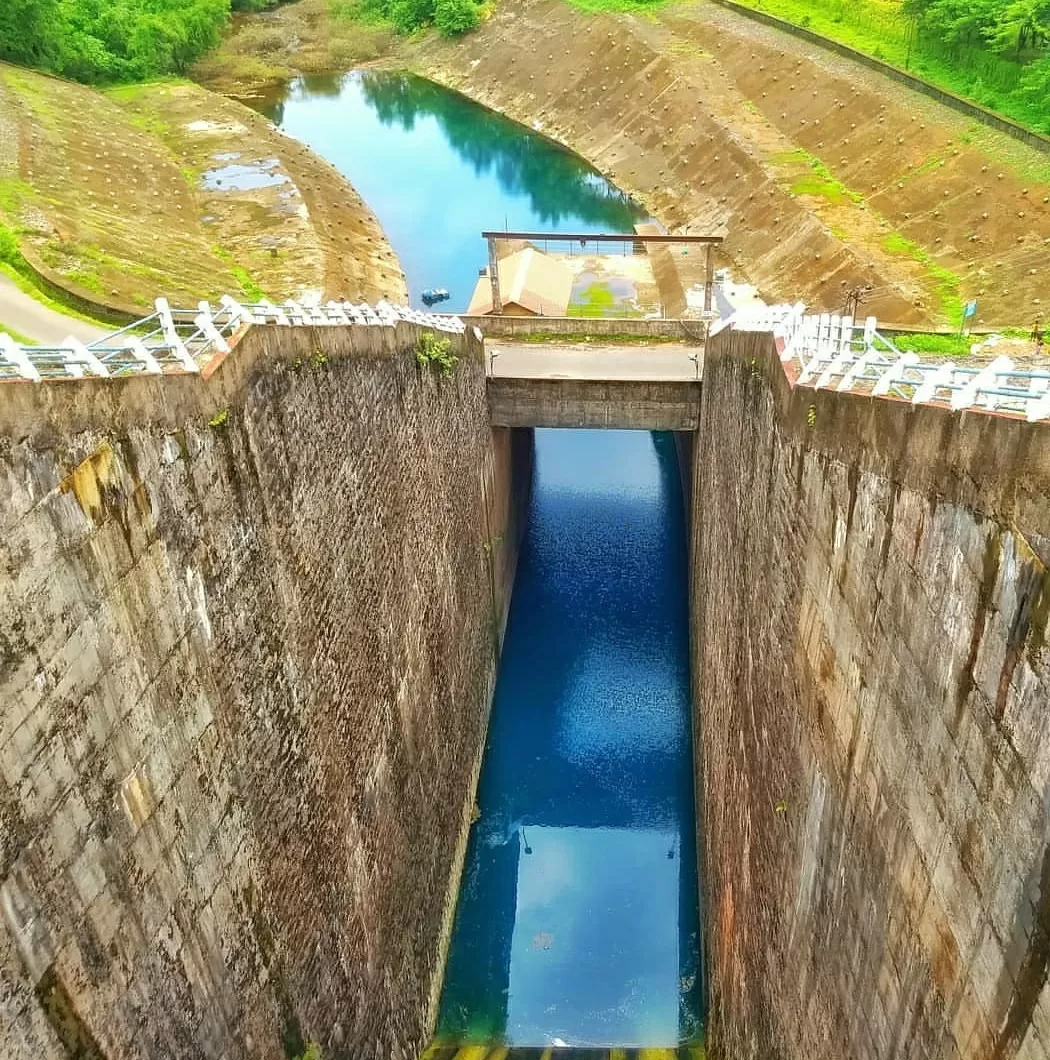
872	682
581	327
249	633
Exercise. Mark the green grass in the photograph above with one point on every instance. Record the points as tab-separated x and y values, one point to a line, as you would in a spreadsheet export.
818	182
16	268
599	340
928	344
249	288
634	7
945	282
879	29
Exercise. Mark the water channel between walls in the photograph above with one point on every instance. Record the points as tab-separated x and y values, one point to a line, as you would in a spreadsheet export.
437	169
578	915
577	920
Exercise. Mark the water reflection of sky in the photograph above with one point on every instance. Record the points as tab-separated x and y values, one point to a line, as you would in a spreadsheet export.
437	169
592	901
578	911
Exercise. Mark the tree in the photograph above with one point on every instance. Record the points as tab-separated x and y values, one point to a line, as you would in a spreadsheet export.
453	17
29	31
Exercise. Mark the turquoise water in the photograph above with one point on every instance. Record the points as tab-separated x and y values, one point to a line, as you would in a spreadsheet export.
437	169
577	920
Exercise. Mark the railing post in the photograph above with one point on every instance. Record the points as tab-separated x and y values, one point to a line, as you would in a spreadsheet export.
709	278
497	301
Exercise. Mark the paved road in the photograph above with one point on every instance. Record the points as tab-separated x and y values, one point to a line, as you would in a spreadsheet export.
588	360
47	326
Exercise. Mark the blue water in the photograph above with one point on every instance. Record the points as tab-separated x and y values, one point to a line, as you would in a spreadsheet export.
577	920
437	169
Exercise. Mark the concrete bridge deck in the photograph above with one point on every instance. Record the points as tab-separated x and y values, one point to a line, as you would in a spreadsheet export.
659	361
644	387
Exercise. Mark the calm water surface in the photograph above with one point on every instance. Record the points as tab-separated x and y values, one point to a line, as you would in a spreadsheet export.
577	920
437	169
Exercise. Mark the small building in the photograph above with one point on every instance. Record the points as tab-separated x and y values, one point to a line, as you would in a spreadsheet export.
531	284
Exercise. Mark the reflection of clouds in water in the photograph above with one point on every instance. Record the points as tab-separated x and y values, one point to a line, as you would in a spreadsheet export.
578	919
594	954
629	711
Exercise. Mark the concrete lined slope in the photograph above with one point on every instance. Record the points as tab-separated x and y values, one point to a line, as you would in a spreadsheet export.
249	645
672	109
107	195
871	670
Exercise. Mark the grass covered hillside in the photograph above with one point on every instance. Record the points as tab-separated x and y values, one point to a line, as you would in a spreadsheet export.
995	52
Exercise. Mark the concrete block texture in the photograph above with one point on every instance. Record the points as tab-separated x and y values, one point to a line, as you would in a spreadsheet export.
248	633
872	698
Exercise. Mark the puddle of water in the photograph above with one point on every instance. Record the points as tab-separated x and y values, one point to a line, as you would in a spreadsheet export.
244	177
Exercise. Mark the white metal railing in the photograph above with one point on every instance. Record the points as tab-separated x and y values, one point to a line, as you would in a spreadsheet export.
831	350
184	340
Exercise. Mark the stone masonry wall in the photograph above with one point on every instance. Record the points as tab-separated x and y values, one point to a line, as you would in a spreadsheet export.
248	631
872	688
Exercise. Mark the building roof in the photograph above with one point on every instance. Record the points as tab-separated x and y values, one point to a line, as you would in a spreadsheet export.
529	279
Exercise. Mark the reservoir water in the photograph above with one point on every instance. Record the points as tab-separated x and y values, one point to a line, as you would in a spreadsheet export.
437	168
577	920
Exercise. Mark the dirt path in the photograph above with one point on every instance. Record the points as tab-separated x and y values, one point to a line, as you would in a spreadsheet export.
823	175
36	321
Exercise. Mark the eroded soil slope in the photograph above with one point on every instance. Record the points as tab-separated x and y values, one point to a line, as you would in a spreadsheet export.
823	175
124	196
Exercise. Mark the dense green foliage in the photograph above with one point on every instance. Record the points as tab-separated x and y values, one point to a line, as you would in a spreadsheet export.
451	17
113	40
996	52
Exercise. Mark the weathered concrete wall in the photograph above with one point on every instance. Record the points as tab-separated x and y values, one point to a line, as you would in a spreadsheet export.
629	404
510	327
872	687
248	631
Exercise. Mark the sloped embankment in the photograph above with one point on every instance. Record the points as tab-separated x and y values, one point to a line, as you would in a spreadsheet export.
824	175
169	189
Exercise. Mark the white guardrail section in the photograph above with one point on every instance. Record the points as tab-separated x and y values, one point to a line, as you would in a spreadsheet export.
831	350
184	340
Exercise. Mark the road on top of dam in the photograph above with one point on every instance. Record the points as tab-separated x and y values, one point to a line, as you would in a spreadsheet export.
589	360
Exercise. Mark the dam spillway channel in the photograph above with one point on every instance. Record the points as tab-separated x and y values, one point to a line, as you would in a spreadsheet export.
577	919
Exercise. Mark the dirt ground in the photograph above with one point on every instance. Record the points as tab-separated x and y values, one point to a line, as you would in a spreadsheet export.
109	195
822	175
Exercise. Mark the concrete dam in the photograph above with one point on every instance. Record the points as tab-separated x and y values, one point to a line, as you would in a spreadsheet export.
253	619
